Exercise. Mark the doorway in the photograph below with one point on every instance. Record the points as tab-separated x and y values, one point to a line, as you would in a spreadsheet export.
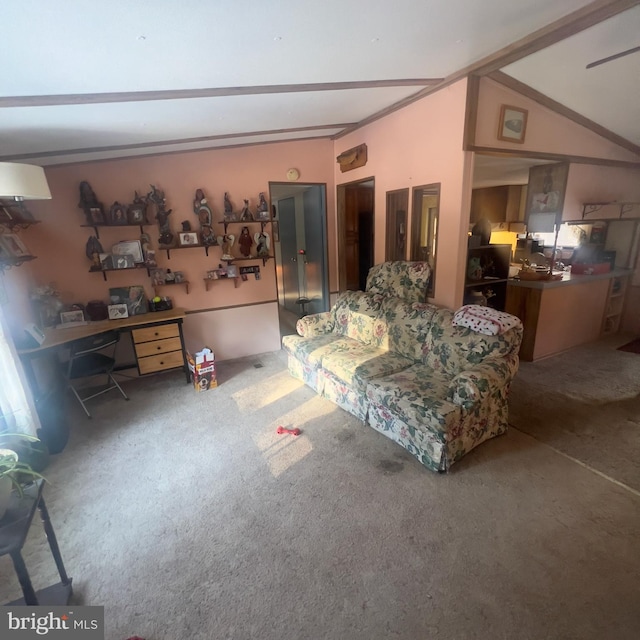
356	230
300	248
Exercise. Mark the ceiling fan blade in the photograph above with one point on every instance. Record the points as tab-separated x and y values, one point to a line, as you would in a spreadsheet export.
613	57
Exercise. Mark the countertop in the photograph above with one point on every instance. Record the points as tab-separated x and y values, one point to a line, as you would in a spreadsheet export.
568	278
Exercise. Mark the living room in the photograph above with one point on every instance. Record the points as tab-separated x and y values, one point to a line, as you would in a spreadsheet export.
337	532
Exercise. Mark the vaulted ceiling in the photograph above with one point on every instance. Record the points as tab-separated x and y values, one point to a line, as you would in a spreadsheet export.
92	80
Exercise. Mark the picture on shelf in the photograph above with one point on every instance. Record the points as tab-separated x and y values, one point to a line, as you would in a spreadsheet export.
129	247
136	214
134	297
188	239
232	271
14	245
97	215
71	318
178	277
157	277
123	262
117	311
106	261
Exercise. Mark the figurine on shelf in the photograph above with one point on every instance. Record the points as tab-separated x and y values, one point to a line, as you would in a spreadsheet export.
245	241
137	212
226	241
186	226
263	244
205	217
229	215
93	210
263	207
157	198
93	251
246	215
148	252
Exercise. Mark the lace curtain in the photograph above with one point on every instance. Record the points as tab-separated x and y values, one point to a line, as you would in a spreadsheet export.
17	413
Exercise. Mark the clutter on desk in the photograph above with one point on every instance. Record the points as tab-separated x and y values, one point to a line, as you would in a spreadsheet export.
117	311
159	303
96	310
203	369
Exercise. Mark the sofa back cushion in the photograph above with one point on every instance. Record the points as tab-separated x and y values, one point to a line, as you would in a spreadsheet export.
405	280
449	349
354	314
403	327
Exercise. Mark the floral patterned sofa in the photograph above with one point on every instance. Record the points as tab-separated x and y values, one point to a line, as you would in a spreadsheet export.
403	366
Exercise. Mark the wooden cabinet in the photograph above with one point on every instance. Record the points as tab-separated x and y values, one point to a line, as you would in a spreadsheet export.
158	348
614	304
487	275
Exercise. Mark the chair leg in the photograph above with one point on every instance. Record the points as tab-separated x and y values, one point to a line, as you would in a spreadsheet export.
124	395
75	393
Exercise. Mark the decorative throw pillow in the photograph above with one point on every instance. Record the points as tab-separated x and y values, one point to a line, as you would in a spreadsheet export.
484	320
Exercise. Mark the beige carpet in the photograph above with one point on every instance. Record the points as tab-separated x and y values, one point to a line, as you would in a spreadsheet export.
187	517
585	403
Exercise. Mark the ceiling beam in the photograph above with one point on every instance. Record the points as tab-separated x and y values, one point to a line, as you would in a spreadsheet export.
529	92
162	143
561	29
216	92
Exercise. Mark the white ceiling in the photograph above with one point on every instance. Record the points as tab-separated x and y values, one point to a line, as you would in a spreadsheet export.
97	47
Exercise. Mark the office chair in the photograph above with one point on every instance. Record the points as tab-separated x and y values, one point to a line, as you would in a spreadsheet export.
86	359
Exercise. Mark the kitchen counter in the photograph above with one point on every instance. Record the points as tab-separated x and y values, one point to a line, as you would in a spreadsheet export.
561	314
568	278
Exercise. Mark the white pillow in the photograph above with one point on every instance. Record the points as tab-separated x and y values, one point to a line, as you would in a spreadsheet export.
484	320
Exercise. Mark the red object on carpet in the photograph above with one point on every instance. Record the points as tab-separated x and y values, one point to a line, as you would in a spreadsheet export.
631	347
135	638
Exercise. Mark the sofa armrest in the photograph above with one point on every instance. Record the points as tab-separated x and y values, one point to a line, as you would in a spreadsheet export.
483	381
316	324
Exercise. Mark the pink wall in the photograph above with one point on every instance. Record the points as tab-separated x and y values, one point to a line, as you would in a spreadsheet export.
59	241
547	131
421	144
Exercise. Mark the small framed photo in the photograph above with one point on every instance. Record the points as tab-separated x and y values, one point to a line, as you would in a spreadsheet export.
117	311
158	277
129	247
188	239
96	215
118	214
14	245
71	318
232	271
513	123
136	214
123	262
179	276
212	274
106	261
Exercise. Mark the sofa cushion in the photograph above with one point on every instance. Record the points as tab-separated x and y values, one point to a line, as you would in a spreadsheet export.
418	395
449	350
354	314
357	363
310	350
406	280
403	327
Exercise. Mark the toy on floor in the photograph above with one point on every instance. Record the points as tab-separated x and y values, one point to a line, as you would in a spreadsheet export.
293	432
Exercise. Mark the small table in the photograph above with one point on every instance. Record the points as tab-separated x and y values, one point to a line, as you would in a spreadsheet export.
14	527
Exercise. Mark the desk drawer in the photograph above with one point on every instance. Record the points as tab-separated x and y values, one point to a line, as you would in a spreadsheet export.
155	347
155	333
160	362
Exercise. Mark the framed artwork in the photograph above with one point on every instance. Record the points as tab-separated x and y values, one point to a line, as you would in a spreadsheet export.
545	196
118	214
232	271
157	277
123	262
117	311
513	123
129	247
106	261
71	318
95	215
188	239
275	230
136	214
14	245
133	296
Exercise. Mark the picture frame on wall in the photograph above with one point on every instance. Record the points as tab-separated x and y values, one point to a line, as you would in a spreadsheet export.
545	196
118	214
512	126
129	247
189	239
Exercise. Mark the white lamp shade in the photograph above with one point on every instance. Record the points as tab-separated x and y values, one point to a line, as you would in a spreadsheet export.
25	181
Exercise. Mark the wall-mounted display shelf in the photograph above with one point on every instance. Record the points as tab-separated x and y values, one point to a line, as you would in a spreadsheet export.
236	281
97	227
7	263
206	248
184	283
262	223
104	271
15	223
263	258
624	210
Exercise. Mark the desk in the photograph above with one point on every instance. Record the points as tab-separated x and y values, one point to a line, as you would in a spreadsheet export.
14	527
157	338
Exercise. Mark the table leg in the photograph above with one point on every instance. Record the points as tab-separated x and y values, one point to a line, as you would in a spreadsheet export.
30	597
53	542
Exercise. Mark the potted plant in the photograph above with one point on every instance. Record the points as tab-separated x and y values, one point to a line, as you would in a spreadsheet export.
14	474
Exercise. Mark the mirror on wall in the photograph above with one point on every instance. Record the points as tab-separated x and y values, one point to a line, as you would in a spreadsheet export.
424	228
397	213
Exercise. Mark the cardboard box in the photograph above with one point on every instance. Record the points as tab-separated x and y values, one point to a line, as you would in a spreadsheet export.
203	369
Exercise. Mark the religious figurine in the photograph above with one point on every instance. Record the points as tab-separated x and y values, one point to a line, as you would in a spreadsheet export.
93	251
263	207
226	241
137	212
263	244
162	216
186	226
229	215
148	252
245	241
205	217
246	215
93	210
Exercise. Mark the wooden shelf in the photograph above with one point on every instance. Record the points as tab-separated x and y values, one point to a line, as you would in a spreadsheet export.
7	263
620	208
206	248
95	227
184	283
15	223
262	223
263	258
236	282
104	271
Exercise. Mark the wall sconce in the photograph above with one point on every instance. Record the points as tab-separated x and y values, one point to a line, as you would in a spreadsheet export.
19	182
